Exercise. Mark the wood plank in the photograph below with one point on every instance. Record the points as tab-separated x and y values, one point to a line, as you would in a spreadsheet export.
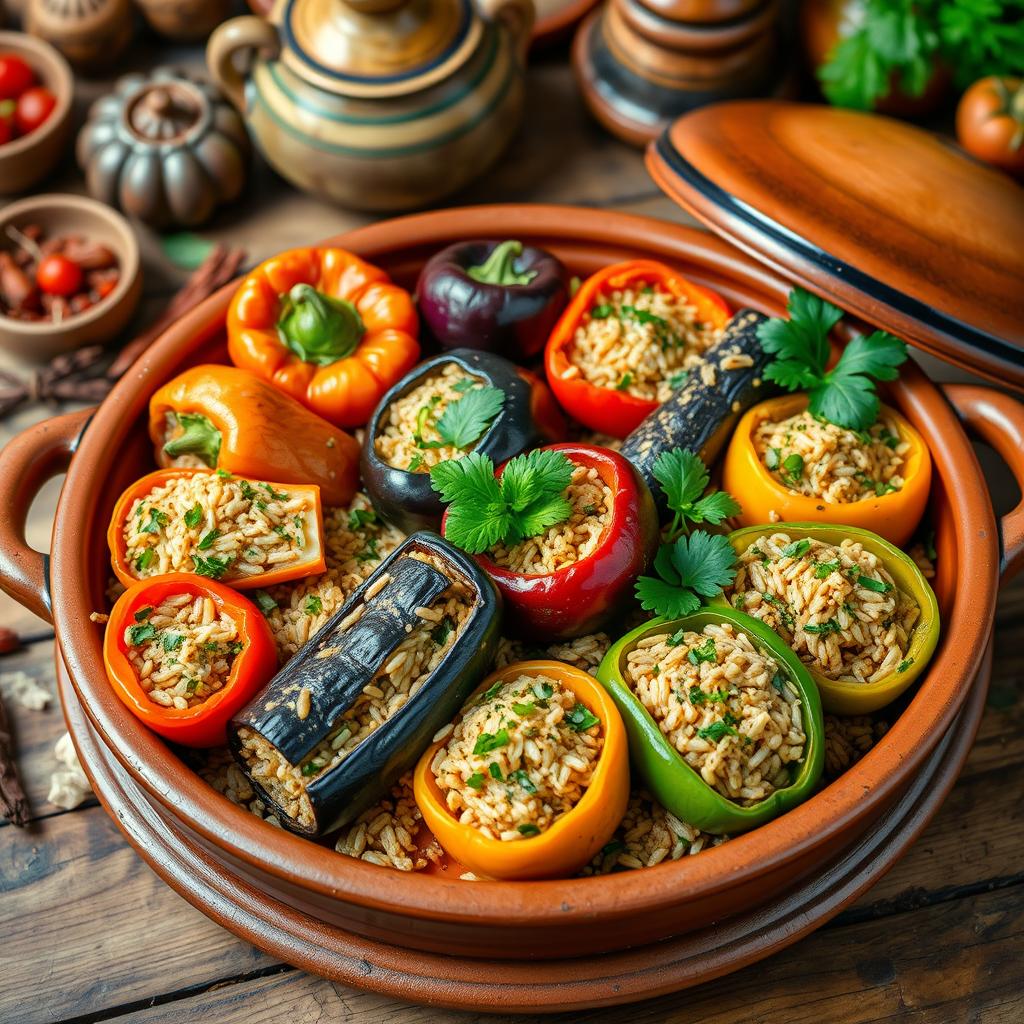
80	907
862	974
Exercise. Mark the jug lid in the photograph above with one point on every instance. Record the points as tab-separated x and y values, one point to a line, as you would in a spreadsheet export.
377	48
888	221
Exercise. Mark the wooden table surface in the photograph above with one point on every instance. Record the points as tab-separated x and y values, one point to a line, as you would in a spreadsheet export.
89	933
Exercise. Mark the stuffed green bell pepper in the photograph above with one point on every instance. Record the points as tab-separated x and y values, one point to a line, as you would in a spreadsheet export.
724	723
856	610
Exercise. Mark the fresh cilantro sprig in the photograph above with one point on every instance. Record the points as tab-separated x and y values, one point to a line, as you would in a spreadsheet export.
464	420
684	479
690	568
484	511
844	395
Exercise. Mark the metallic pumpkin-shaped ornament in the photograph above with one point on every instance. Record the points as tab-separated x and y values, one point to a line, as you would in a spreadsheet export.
165	148
378	104
91	34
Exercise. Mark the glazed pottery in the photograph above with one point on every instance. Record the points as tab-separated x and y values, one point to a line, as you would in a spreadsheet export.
280	884
378	104
184	19
164	147
642	63
67	214
92	34
27	160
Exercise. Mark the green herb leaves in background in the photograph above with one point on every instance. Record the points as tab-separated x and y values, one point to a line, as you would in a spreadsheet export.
844	395
186	250
484	511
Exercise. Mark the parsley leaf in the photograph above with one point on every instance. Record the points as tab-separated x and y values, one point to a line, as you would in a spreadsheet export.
207	540
716	731
475	781
706	652
486	742
314	605
844	395
463	421
360	517
156	520
689	568
528	830
194	516
581	718
138	635
484	511
520	777
264	601
213	567
683	478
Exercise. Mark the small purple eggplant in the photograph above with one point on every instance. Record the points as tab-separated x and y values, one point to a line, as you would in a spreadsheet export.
500	297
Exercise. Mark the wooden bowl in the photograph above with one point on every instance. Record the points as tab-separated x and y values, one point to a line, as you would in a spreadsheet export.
294	880
67	214
29	159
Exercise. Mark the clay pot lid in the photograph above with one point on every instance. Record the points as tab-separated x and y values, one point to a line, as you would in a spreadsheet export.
378	48
886	220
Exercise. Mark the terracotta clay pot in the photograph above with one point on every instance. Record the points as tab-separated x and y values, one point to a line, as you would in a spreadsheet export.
273	886
184	19
91	35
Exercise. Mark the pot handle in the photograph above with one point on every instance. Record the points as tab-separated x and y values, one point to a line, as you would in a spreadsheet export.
517	16
227	39
998	420
26	463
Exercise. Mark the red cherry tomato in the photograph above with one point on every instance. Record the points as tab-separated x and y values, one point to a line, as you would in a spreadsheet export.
15	76
34	107
57	275
6	130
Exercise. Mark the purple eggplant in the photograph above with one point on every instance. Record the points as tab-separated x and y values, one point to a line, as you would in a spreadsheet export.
500	297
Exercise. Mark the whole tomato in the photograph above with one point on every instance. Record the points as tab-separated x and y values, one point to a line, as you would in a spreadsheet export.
990	123
57	275
15	76
35	105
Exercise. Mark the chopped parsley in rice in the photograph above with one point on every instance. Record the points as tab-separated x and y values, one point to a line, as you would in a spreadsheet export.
836	606
519	758
182	650
220	526
816	458
725	705
640	341
570	540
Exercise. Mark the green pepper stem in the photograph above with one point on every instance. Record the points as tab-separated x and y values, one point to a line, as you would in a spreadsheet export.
198	437
318	328
499	268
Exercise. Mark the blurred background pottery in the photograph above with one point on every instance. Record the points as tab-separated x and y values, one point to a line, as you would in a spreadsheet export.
184	19
379	104
92	34
27	160
642	63
164	147
74	215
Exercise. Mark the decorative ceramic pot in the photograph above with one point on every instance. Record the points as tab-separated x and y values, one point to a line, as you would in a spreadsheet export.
379	104
642	63
164	147
92	34
184	19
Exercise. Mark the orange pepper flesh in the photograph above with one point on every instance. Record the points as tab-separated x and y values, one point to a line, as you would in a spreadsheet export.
894	516
265	434
605	409
205	725
346	391
311	566
573	839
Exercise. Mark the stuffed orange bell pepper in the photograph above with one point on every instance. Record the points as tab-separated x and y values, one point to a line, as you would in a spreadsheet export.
231	419
185	654
246	533
611	385
327	328
533	777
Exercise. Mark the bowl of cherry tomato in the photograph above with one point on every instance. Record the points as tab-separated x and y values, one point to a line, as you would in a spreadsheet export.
36	89
69	275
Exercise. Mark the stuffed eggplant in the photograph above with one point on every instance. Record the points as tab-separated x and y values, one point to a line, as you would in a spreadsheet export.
338	725
702	412
448	406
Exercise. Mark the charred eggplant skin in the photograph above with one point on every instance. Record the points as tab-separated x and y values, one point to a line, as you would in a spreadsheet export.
334	681
514	319
529	418
700	417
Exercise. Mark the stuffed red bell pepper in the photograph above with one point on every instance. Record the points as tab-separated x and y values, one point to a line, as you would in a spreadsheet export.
185	654
563	531
627	341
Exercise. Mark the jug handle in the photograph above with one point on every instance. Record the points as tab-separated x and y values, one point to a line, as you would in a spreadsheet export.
228	39
998	420
517	16
26	463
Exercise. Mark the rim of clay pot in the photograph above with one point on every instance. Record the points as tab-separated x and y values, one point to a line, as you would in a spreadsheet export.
402	244
55	74
126	250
